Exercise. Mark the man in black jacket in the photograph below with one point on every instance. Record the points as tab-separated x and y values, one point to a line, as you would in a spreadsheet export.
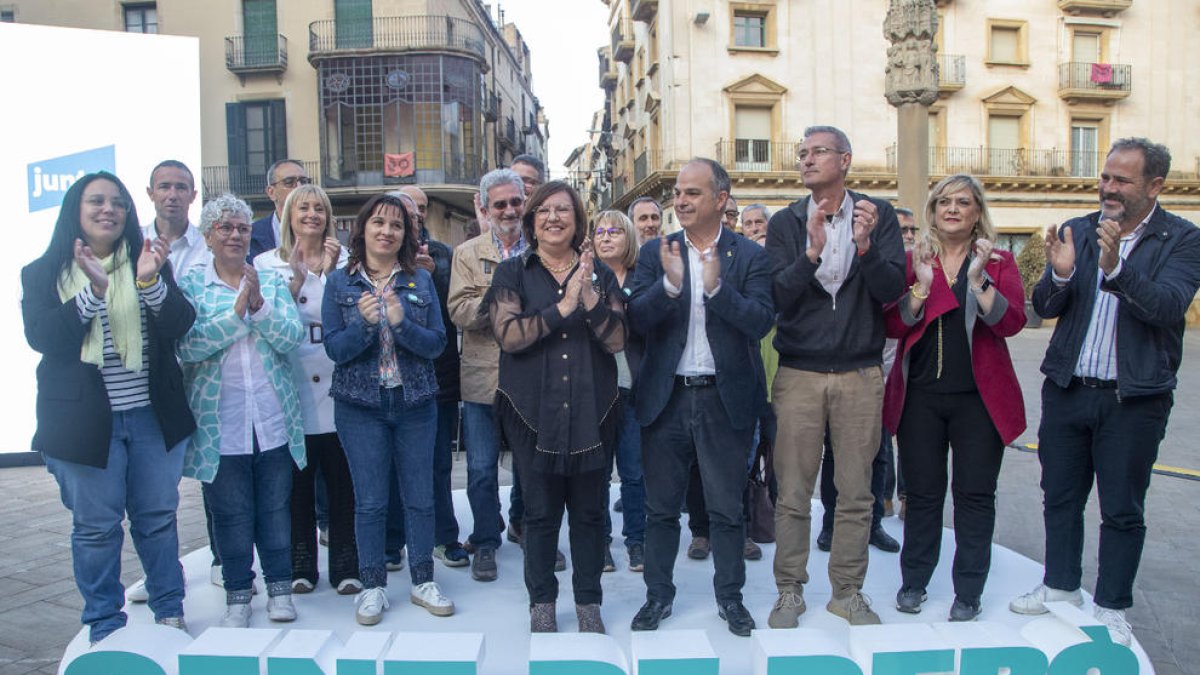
1120	282
836	259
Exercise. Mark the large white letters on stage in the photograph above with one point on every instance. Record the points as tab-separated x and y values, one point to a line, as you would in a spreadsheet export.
489	633
77	101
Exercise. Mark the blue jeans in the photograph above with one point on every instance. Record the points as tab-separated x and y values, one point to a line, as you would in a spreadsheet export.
141	479
251	505
483	482
378	441
629	468
445	529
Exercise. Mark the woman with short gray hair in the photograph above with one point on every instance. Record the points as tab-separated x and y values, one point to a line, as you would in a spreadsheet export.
249	431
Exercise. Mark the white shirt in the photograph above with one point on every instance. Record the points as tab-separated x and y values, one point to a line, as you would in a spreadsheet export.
275	225
839	249
697	358
187	252
311	367
1098	354
248	402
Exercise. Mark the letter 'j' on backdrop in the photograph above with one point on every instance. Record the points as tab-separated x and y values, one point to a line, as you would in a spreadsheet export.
78	101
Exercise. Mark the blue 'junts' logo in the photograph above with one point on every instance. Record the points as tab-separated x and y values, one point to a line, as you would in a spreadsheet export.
50	179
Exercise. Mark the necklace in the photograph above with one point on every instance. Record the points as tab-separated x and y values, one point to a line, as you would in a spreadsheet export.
559	270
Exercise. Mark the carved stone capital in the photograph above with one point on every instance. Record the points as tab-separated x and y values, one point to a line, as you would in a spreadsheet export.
912	70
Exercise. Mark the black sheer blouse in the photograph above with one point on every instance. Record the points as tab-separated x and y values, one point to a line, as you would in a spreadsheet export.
558	376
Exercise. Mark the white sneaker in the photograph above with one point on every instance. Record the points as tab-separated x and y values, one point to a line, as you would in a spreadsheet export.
1118	628
280	608
236	616
370	605
349	586
429	595
1034	602
175	622
137	592
302	585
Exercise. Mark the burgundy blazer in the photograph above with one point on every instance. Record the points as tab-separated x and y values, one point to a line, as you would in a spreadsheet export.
991	364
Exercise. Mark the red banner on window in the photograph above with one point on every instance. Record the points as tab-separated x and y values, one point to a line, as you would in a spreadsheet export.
1102	73
398	166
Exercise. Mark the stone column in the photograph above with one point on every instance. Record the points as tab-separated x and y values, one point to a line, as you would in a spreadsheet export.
911	84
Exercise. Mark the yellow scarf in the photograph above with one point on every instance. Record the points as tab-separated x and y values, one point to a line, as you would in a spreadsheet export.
123	307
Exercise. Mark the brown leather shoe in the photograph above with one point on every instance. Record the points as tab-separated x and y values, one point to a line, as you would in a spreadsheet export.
699	548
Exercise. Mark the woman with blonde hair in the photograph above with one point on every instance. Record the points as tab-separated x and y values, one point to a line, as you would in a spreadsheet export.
953	385
615	244
308	252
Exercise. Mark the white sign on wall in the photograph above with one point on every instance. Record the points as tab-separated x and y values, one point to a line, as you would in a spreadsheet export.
77	101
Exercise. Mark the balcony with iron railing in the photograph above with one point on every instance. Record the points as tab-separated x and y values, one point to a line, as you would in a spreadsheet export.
622	41
757	155
244	181
256	54
982	161
429	168
1091	82
490	106
646	164
393	34
952	72
644	10
608	69
1103	7
507	135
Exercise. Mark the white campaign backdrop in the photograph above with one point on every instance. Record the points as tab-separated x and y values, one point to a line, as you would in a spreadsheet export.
67	91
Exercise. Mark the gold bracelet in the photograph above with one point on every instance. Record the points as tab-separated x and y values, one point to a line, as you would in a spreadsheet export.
913	290
143	285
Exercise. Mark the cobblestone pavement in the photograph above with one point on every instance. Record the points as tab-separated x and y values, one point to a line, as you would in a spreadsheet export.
39	605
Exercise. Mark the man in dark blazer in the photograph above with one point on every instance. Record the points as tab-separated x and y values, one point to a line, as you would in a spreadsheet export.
702	299
282	178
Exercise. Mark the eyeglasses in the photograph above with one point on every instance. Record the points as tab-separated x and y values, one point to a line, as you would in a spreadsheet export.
560	211
293	181
816	153
610	231
98	201
502	205
909	230
731	214
226	230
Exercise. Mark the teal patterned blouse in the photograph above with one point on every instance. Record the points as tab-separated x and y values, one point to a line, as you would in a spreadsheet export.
203	348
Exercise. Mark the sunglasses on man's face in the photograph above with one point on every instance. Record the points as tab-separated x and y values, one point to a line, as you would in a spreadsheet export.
502	204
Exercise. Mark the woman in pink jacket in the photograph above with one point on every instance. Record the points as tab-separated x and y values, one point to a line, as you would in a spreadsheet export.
953	386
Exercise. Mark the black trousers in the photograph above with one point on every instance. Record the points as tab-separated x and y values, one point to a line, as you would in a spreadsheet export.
584	496
1088	432
879	470
325	455
930	426
695	429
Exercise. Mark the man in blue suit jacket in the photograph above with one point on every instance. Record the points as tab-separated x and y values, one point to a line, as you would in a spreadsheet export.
702	298
282	178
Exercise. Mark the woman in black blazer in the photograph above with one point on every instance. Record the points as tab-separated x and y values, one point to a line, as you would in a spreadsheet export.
101	307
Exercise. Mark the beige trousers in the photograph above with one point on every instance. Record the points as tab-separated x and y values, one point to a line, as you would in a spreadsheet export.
851	403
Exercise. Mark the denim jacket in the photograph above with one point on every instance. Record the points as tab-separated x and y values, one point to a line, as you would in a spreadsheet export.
353	344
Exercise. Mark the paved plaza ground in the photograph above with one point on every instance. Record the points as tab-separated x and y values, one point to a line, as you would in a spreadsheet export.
39	605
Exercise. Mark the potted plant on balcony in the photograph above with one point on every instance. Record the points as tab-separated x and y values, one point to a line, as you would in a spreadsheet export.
1031	262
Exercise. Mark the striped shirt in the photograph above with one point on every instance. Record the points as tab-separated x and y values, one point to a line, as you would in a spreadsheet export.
126	389
1098	355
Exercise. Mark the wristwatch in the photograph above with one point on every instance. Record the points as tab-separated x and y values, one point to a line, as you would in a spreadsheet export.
987	283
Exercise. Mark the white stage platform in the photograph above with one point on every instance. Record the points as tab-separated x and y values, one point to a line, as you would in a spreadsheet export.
499	610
